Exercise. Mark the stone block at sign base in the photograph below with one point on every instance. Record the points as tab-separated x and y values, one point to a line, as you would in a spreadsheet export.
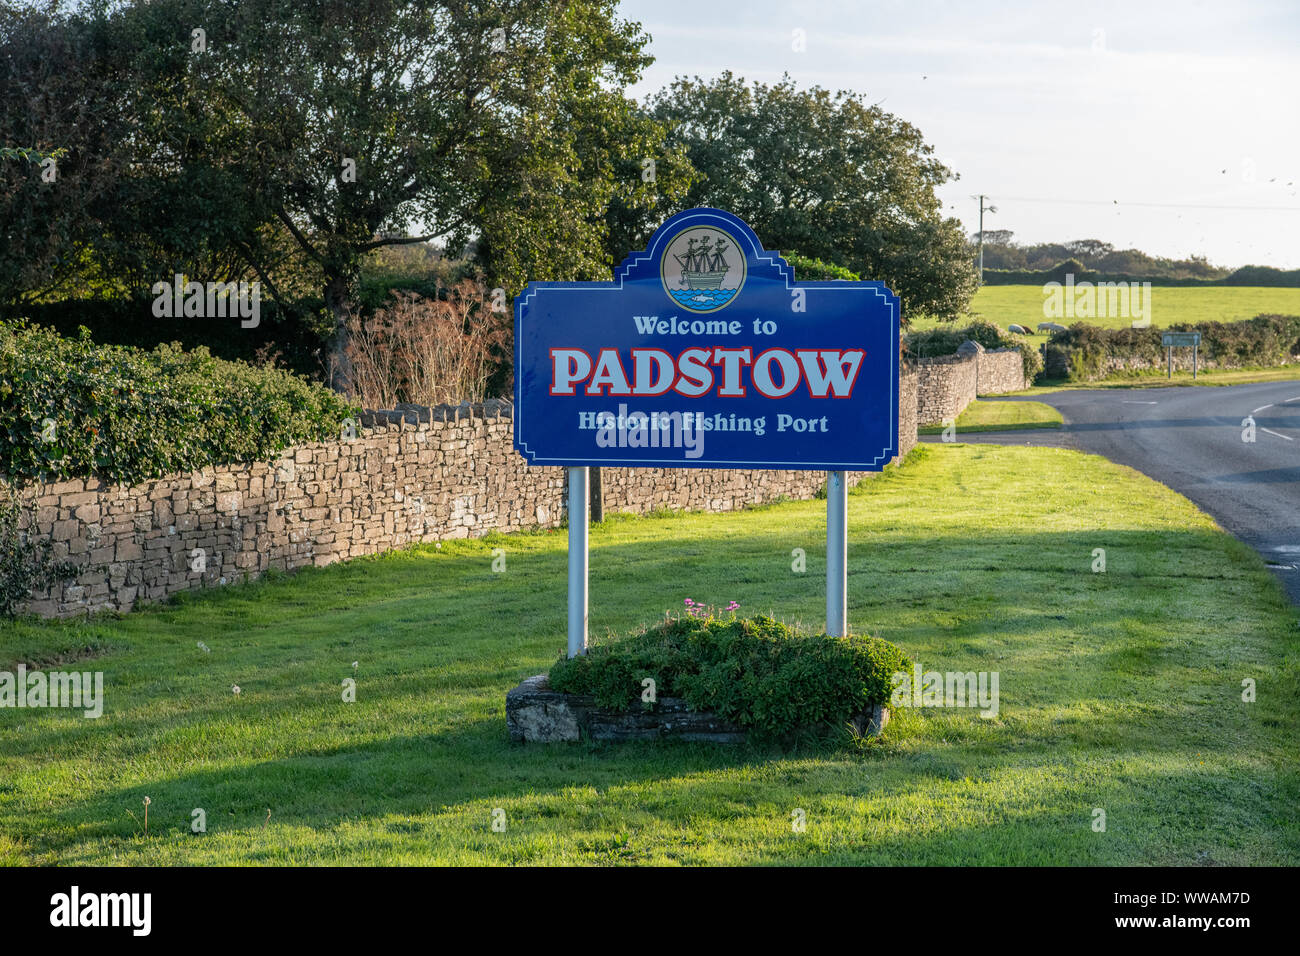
871	721
534	712
537	714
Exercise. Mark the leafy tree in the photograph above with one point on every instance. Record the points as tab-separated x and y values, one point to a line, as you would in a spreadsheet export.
1045	255
29	154
51	98
598	166
1089	250
144	186
827	174
187	205
288	140
403	122
994	237
653	176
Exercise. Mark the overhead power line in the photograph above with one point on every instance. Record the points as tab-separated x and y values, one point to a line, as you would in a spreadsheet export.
1152	205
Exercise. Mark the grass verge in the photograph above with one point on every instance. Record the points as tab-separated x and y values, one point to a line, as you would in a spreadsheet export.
1119	690
1000	417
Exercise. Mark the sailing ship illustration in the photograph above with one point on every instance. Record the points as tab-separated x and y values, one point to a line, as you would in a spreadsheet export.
703	267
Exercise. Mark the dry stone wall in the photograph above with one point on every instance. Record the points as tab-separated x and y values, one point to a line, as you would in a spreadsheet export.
947	384
412	475
998	371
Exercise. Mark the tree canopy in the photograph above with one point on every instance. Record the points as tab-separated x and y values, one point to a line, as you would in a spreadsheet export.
825	175
1002	252
289	140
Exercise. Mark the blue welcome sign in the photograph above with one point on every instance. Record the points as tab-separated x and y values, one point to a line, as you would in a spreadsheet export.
704	352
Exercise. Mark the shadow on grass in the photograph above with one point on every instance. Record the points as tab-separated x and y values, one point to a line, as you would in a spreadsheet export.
1142	657
398	775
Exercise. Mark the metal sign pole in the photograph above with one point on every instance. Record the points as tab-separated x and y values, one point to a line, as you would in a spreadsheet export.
837	554
1195	348
577	561
1169	360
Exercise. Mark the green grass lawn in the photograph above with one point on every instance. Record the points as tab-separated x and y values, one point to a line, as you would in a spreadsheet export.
1023	305
1001	416
1120	691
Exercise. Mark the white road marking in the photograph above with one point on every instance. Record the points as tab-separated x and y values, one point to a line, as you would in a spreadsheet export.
1140	403
1279	434
1260	409
1296	399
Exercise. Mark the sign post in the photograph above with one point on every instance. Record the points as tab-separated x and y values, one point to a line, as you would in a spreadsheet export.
705	352
837	554
1173	340
577	561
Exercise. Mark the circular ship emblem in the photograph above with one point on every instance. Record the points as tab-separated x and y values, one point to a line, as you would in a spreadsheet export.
702	268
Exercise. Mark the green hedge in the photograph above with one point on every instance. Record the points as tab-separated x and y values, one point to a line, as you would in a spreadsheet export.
755	672
945	340
124	414
1080	353
811	270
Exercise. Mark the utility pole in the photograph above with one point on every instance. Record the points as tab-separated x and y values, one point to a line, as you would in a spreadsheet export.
983	209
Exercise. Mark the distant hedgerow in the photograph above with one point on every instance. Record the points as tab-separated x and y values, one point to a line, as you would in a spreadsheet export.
1084	352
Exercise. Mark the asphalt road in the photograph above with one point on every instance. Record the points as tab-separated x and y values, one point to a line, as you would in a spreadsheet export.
1191	439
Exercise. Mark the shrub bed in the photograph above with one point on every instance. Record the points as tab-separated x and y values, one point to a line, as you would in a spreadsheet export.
72	408
812	270
944	340
755	672
1086	352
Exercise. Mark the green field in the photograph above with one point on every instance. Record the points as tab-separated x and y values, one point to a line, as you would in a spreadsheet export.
1023	305
1120	691
1001	416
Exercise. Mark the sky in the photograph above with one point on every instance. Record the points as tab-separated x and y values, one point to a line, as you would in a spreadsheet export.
1171	127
